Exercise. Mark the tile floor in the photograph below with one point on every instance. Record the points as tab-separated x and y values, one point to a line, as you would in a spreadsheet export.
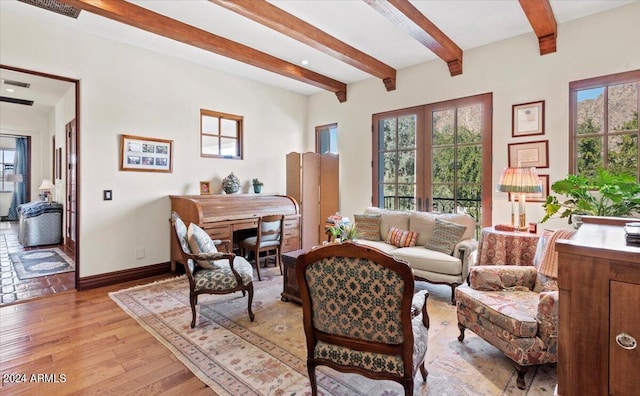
16	290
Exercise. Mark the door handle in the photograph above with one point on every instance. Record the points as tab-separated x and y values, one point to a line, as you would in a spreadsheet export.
626	341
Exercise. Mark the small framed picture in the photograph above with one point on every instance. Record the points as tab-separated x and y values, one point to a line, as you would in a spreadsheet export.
144	154
528	119
529	154
535	197
205	187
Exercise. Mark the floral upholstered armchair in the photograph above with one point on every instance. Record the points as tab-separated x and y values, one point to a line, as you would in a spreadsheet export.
357	305
515	308
210	271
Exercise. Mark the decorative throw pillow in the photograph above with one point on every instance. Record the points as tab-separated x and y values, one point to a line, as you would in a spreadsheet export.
367	226
445	236
401	238
541	246
200	242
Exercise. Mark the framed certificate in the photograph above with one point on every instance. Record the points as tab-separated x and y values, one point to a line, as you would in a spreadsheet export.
528	119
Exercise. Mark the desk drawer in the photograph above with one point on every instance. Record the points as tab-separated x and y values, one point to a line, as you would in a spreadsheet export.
291	244
218	232
291	223
290	233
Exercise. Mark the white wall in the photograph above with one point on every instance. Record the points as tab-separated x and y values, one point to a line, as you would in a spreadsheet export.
23	121
513	70
127	90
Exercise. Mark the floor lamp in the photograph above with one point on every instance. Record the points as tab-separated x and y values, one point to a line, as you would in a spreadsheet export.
519	181
15	178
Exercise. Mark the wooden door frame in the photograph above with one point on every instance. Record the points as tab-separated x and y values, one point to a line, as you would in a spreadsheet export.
76	82
423	167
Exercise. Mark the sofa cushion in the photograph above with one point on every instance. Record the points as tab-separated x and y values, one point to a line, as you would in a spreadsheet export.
461	219
425	222
522	350
367	226
223	277
379	245
200	242
445	236
390	218
429	260
512	310
401	238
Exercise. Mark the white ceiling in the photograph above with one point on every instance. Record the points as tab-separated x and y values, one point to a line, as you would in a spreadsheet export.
45	92
469	23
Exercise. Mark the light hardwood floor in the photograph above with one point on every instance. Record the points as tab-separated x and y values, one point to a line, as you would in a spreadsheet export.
87	338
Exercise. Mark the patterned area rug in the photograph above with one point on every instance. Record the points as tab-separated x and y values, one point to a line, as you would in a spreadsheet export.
41	262
234	356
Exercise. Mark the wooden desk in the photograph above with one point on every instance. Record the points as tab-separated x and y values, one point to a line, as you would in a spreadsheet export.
507	247
221	215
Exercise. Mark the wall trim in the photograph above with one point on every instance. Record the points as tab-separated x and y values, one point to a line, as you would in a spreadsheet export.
111	278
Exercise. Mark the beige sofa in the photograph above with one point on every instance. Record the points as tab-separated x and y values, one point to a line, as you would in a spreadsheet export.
427	265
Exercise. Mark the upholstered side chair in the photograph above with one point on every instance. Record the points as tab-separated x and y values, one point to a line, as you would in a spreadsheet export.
515	308
268	240
357	314
208	270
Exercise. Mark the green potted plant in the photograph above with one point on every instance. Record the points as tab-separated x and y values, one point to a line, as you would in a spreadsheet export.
605	194
343	232
257	185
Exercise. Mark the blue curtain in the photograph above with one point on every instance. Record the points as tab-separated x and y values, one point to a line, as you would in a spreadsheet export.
20	167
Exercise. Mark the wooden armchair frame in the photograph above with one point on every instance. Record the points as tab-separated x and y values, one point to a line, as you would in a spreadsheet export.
403	349
191	267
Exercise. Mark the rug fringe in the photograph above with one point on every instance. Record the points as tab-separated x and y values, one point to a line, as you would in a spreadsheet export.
148	284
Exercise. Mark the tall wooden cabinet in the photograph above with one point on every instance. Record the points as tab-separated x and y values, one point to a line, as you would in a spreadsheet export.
599	329
312	180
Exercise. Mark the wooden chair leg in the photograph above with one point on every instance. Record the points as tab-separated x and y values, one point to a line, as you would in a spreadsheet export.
256	254
192	300
408	387
462	329
251	315
522	370
279	259
423	371
312	378
453	293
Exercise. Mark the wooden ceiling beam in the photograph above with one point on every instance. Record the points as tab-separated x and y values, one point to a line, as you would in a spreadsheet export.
408	18
142	18
277	19
543	22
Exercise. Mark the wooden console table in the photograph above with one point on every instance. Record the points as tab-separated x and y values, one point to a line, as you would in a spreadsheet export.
290	288
506	247
599	329
221	215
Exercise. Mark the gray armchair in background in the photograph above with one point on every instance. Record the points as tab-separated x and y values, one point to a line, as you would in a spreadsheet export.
40	223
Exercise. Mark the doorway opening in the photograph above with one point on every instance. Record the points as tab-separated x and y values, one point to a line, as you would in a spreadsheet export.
42	109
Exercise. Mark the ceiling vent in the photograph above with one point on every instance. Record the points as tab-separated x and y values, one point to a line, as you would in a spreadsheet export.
55	6
17	83
16	101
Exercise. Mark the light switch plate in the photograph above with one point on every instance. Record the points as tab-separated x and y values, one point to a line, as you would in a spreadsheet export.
107	195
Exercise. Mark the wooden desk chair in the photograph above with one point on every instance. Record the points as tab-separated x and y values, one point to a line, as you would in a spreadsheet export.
356	307
268	240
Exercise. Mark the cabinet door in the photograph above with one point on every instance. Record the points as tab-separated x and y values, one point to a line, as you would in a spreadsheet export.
329	196
624	325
